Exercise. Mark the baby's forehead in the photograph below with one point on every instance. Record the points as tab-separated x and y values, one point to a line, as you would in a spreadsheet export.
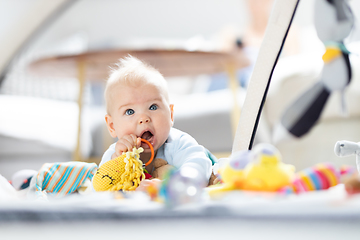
131	85
134	85
143	91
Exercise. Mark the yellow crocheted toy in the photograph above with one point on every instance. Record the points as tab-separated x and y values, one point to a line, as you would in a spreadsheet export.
122	173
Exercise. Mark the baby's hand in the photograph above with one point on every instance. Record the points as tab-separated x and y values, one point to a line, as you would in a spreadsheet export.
126	143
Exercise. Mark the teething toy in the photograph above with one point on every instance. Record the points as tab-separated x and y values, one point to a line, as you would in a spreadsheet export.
122	173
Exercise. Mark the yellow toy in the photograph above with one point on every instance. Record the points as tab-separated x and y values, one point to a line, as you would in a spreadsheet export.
232	174
122	173
267	172
262	170
257	170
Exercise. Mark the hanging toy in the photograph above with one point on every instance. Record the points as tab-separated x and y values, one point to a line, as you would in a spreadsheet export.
347	148
122	173
333	22
344	149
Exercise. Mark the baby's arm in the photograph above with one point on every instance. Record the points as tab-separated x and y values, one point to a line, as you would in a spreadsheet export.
188	153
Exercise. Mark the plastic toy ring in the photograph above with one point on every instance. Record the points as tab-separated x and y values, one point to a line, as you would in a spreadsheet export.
151	149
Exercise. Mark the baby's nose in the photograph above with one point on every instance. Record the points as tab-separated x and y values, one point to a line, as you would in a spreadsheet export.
144	120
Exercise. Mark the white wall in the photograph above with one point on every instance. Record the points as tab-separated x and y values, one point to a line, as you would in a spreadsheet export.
119	22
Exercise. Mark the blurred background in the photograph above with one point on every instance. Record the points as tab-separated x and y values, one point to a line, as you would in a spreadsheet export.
39	110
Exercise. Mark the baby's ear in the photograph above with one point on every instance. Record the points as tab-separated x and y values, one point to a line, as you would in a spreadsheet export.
172	112
110	125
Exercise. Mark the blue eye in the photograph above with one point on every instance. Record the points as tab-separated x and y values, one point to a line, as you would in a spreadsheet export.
153	107
129	112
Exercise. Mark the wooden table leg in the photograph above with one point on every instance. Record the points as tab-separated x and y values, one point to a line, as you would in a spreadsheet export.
81	78
234	86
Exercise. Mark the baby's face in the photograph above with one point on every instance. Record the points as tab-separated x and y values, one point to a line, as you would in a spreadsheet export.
143	111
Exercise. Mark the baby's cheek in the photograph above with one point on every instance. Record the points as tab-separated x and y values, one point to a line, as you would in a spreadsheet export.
124	130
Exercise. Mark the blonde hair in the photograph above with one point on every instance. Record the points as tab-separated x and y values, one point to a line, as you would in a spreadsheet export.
133	72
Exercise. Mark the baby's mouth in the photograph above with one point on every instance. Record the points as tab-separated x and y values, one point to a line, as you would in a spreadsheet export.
147	136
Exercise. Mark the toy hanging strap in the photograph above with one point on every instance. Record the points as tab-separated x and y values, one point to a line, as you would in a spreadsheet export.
275	35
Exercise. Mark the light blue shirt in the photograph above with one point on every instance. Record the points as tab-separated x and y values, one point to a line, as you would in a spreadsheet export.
179	150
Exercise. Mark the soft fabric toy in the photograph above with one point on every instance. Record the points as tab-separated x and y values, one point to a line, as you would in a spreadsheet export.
267	172
62	178
262	170
258	170
333	21
161	167
319	177
7	191
213	179
21	179
231	171
122	173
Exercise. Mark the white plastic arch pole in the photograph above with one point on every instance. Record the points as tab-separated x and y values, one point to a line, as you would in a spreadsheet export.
277	29
25	27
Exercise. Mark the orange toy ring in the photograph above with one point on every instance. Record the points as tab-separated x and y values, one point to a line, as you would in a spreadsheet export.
151	149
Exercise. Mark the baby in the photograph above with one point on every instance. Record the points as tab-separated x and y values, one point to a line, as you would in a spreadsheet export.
137	105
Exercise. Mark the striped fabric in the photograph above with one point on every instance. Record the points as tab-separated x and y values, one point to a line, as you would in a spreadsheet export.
64	177
319	177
